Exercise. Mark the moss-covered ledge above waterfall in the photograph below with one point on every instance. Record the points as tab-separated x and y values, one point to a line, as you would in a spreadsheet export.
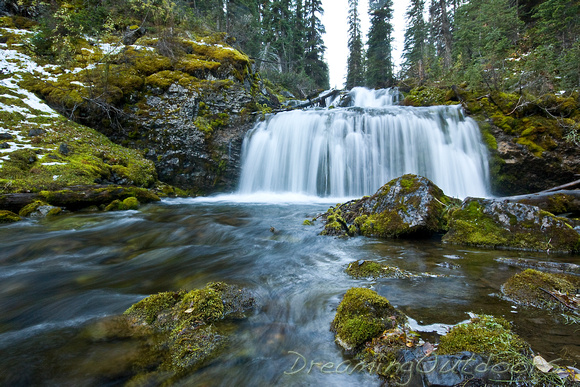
534	141
183	101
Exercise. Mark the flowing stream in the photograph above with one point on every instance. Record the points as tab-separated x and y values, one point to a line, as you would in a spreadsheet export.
59	277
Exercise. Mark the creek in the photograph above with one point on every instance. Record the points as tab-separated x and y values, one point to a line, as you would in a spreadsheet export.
60	276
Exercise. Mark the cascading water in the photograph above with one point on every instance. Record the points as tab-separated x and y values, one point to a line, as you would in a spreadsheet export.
350	152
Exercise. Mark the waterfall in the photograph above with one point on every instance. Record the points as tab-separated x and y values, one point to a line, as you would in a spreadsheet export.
352	151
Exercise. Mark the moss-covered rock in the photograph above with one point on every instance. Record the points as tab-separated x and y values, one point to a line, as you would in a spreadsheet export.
8	217
532	288
39	208
500	224
363	315
487	335
372	269
190	326
409	206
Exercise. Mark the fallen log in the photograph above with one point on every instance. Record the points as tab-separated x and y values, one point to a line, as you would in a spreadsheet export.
556	202
574	184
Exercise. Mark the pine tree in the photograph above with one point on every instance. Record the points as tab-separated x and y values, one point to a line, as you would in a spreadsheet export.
441	33
314	65
298	37
355	64
415	47
379	57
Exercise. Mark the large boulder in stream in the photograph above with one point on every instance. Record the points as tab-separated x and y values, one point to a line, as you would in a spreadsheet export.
409	206
501	224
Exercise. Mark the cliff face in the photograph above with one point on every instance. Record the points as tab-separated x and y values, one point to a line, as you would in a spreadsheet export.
184	103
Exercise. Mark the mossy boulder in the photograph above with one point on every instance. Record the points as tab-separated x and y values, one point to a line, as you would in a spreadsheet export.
532	288
409	206
191	328
39	209
363	315
131	203
500	224
486	335
8	217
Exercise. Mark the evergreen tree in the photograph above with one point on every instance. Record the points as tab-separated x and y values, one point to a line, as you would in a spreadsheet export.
486	32
415	47
355	65
441	34
314	65
557	40
298	37
379	57
279	32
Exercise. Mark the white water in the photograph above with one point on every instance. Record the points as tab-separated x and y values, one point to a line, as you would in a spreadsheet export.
350	152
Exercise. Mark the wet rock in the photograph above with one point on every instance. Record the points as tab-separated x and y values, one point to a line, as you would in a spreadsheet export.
190	325
372	269
500	224
361	316
8	217
543	290
39	209
409	206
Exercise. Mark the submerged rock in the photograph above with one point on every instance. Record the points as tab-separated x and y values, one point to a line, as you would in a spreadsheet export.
372	269
409	206
499	224
190	328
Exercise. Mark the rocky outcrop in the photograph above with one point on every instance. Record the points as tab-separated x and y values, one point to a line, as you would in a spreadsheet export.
409	206
499	224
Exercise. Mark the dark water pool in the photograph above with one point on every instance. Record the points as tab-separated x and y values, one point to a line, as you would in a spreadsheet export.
57	276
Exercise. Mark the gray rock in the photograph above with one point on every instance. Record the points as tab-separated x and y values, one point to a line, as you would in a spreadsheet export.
501	224
410	206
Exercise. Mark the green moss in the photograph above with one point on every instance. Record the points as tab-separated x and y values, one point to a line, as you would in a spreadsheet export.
146	62
195	66
8	217
116	205
149	309
30	208
366	269
166	78
202	304
471	226
363	315
429	96
526	288
131	203
486	335
307	222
